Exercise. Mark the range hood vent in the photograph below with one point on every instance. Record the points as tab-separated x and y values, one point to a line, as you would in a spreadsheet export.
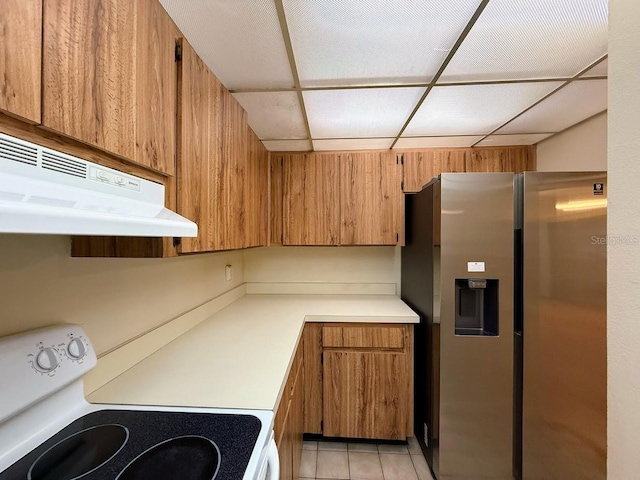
48	192
60	164
18	152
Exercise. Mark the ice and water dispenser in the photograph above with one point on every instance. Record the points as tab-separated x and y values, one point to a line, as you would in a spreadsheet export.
476	311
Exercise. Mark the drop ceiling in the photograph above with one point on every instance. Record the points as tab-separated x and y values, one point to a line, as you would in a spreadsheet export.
359	74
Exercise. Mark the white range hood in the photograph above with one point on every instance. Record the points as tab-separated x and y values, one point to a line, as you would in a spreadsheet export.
43	191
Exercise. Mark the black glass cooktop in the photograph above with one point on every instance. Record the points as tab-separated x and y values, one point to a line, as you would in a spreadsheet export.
141	445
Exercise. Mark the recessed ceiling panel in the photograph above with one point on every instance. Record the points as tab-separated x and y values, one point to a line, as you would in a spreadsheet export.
359	113
473	109
600	69
287	145
353	144
506	140
240	40
433	142
373	42
274	114
573	103
518	39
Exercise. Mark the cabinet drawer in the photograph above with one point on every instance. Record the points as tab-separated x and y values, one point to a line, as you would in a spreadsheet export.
391	337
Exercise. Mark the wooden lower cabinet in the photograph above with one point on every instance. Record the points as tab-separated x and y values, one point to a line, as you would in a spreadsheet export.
359	380
365	395
289	421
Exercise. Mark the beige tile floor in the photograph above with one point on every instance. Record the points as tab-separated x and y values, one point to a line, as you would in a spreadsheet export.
363	461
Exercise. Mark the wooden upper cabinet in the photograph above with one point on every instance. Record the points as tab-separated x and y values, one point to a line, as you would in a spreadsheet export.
200	152
232	174
223	167
275	198
21	58
311	199
255	192
370	192
501	159
109	77
156	87
421	166
89	65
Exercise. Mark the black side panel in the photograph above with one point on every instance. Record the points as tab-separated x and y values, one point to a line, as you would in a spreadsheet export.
517	330
417	292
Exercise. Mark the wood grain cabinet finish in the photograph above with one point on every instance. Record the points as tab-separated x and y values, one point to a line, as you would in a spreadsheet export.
288	423
365	395
370	194
311	199
200	151
109	77
89	65
358	380
21	58
223	167
256	192
501	159
421	166
156	87
312	338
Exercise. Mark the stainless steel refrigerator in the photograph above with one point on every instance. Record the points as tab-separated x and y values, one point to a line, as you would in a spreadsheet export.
563	324
505	374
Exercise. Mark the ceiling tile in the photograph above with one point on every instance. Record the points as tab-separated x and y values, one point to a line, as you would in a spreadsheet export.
353	144
359	113
599	70
432	142
473	109
274	115
287	145
370	42
505	140
531	39
240	41
575	102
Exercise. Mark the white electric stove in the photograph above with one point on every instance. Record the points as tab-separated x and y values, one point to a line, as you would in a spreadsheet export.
49	432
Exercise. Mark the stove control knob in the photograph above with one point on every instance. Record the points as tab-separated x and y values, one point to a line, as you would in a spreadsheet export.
46	360
76	349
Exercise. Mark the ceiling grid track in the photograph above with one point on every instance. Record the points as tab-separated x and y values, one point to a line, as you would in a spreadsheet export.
436	77
421	85
294	69
552	92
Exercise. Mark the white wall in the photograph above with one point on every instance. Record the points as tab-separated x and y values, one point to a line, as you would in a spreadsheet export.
114	299
580	148
623	288
323	264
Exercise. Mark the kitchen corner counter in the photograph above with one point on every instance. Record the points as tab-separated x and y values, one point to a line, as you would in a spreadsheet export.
240	356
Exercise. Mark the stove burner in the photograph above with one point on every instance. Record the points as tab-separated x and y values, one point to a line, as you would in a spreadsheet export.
191	456
79	454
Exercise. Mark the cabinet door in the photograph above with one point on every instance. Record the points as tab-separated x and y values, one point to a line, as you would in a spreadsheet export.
156	87
21	58
297	422
200	152
501	159
284	442
370	192
421	166
256	192
366	394
89	65
312	338
311	203
232	174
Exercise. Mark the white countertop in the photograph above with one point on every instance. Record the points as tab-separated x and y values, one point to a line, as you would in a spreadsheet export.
240	357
